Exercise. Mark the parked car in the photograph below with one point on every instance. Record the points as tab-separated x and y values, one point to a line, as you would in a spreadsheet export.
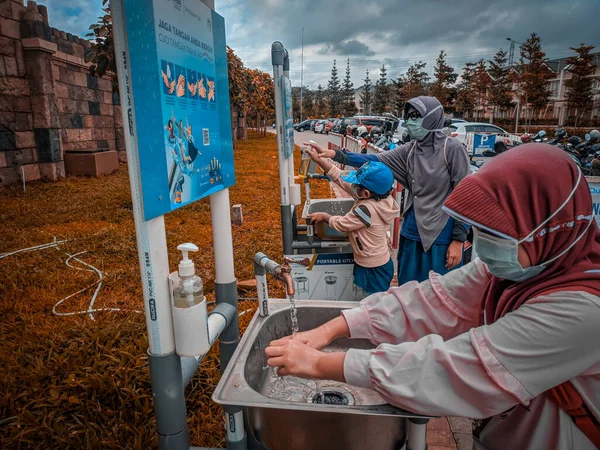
460	130
341	125
320	126
303	126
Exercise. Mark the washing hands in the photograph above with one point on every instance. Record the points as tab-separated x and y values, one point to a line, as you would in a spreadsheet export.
312	146
300	354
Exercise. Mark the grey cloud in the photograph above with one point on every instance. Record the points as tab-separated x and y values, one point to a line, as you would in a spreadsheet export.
347	48
400	32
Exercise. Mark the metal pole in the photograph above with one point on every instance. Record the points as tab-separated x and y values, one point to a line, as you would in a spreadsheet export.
278	58
302	77
165	365
517	114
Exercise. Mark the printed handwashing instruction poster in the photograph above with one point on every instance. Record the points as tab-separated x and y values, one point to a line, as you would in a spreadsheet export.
181	101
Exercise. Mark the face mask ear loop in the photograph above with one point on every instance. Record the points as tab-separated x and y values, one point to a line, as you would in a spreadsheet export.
430	113
570	246
526	238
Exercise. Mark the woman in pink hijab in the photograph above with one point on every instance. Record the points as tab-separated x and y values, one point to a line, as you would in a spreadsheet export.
512	338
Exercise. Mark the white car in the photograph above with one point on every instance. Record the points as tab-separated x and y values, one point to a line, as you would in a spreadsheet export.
320	126
460	130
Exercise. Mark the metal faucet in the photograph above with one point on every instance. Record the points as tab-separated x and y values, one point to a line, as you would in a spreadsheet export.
263	264
284	273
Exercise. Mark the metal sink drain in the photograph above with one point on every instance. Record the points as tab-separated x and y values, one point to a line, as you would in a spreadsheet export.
331	396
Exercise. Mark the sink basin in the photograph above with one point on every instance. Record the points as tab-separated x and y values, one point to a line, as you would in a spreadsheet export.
290	413
333	206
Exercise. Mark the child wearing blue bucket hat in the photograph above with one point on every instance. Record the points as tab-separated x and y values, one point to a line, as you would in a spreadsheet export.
368	221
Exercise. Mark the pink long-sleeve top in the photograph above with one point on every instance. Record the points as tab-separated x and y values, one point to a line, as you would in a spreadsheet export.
434	357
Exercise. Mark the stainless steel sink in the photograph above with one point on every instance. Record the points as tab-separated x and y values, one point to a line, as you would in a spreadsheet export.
333	206
288	413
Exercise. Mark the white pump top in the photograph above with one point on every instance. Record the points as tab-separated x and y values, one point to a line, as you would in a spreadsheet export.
186	266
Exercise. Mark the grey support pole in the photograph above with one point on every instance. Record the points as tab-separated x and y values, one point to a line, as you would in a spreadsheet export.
417	434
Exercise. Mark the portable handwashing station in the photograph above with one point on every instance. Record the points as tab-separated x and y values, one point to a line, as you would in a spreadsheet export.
160	72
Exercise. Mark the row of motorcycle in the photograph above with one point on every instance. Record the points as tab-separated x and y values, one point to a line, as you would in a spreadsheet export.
585	151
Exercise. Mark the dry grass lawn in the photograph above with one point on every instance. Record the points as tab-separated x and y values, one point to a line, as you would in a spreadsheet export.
70	382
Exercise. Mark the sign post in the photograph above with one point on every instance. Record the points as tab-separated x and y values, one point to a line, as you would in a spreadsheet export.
174	88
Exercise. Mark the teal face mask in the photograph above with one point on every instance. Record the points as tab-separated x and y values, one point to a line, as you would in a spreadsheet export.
415	129
415	126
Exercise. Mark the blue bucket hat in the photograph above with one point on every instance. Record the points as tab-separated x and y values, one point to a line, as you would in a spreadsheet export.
374	176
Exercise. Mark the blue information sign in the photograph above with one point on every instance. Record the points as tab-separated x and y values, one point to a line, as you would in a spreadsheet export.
288	117
180	88
483	142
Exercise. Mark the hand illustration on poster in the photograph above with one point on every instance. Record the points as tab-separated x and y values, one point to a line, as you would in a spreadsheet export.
201	87
180	88
211	89
168	77
192	84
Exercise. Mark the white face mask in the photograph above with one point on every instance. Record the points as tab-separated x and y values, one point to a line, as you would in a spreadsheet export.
501	254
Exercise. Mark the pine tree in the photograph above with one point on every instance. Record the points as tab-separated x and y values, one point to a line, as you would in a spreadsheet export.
381	97
501	89
308	102
480	84
398	95
320	103
534	74
579	87
349	108
415	81
334	92
445	77
366	97
464	95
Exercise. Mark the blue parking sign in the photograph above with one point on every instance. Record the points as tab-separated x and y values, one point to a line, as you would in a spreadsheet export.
483	142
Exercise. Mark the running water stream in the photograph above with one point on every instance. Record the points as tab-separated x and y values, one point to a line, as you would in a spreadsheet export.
294	315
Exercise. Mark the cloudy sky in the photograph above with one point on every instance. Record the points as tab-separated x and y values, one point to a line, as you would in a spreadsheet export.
391	32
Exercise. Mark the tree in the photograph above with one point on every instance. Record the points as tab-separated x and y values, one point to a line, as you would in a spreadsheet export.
308	102
102	50
296	103
320	102
480	83
334	92
381	98
579	87
415	81
398	96
366	97
445	77
501	89
464	95
349	108
534	74
261	94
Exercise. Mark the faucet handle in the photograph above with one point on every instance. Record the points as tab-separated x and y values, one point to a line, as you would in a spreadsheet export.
303	262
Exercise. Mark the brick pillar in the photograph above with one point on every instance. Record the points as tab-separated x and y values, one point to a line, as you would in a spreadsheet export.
38	51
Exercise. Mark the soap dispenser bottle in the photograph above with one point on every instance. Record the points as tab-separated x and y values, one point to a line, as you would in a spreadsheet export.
190	314
189	290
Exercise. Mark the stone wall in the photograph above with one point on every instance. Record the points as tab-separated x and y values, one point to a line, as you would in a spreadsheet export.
55	117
